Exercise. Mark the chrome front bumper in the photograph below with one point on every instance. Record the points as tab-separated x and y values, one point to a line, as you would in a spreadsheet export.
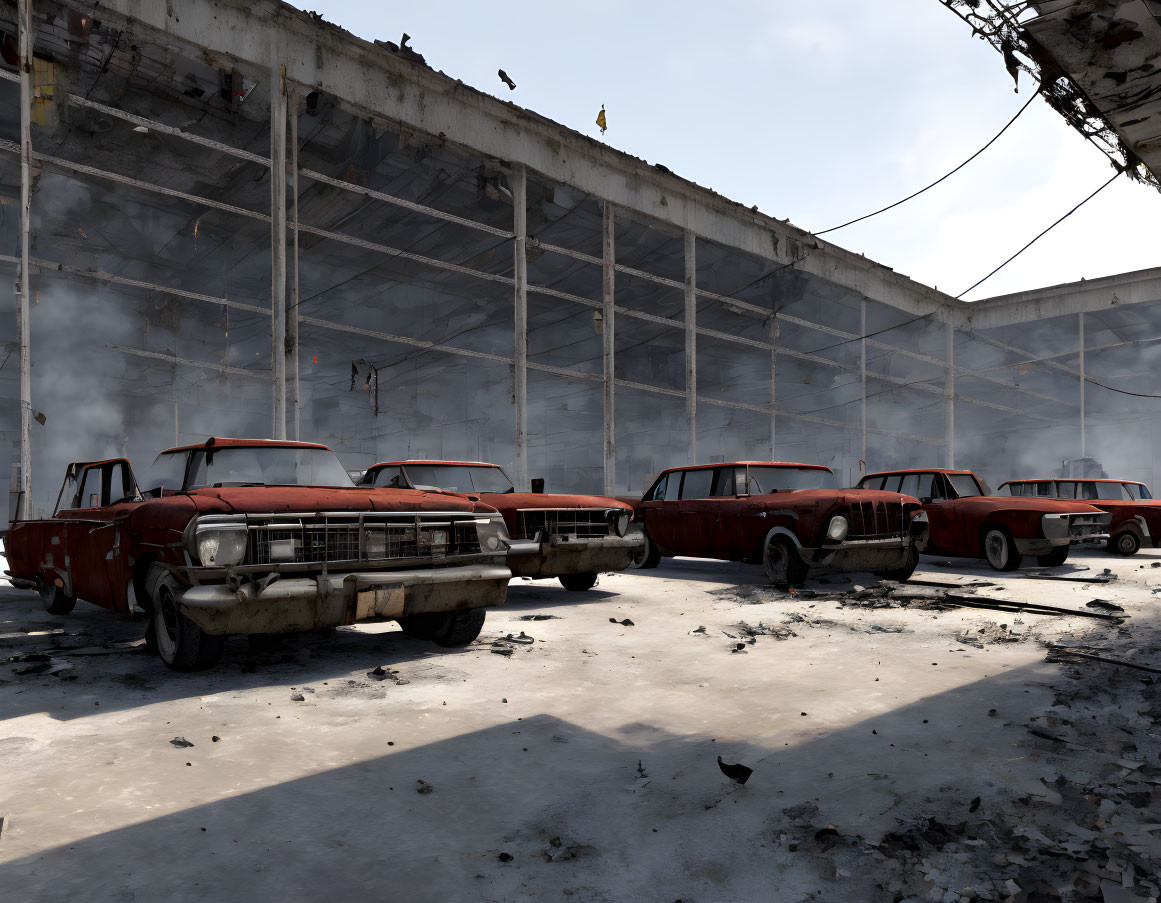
860	554
562	555
294	604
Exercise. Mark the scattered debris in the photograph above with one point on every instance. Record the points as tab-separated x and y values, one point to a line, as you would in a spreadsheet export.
297	697
378	673
1103	605
779	633
624	623
423	788
540	617
503	650
1057	650
180	742
738	773
524	639
505	857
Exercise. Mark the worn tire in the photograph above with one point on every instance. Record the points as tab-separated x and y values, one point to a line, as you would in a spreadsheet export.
1053	559
460	627
1126	542
578	583
422	626
781	562
54	600
180	643
649	558
999	548
901	574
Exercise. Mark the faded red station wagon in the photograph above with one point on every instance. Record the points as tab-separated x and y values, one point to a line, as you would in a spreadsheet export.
246	536
965	520
788	517
572	537
1136	516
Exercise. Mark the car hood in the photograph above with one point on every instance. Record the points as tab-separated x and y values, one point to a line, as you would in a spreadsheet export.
280	499
1022	503
513	501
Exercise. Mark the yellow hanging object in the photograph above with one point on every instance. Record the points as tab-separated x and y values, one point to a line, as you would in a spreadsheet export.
601	119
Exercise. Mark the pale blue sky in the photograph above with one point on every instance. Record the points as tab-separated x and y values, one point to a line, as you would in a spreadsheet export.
819	112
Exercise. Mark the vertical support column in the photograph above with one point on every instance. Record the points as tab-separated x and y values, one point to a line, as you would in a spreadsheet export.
863	383
1083	380
772	327
278	247
520	355
691	341
949	399
293	399
24	25
608	346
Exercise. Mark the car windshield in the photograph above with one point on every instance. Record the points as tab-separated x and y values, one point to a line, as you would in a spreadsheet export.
764	480
269	465
964	484
167	472
458	477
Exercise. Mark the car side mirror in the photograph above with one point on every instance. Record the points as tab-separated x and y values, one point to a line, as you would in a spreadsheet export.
537	484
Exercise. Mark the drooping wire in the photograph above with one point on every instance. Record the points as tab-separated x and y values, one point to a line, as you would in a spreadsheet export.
995	137
1041	235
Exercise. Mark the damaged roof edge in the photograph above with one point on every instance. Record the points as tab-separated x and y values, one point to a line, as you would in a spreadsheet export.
1137	287
379	84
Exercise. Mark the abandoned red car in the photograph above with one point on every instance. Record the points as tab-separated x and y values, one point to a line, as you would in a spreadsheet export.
241	536
965	520
1136	517
572	537
788	517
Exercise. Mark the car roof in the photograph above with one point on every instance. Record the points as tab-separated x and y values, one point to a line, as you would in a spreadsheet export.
432	461
225	442
745	464
887	473
1071	480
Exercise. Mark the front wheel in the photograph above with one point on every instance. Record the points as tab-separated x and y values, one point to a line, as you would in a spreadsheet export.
578	583
445	628
1127	542
650	556
179	641
1000	549
905	571
780	559
1053	559
54	599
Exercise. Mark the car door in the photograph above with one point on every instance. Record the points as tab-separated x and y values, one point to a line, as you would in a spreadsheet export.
944	517
660	511
724	522
96	539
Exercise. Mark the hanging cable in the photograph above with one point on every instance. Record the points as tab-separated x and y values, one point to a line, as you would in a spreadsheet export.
1041	235
1027	104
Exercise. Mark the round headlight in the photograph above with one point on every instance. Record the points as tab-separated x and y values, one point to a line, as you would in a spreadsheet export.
621	524
837	528
221	546
491	533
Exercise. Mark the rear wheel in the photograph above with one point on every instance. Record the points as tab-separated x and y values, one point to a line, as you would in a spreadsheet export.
1053	559
578	583
180	643
54	599
781	561
1127	542
649	558
445	628
1000	549
906	570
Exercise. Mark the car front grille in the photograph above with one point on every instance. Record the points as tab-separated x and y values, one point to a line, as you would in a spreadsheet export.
334	539
579	523
1084	524
878	520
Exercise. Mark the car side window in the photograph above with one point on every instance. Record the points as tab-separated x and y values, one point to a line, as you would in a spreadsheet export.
1017	489
724	482
696	484
121	485
940	491
391	478
1131	491
89	495
1086	491
661	491
871	483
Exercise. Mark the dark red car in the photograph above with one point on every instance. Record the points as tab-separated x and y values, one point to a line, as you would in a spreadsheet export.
245	536
1136	517
572	537
788	517
966	521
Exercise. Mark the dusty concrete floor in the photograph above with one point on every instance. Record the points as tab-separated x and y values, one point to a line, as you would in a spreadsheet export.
898	752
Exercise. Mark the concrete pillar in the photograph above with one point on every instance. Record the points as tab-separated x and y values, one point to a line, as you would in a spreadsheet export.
608	346
278	247
772	329
1083	443
949	398
520	324
863	383
25	42
691	341
293	396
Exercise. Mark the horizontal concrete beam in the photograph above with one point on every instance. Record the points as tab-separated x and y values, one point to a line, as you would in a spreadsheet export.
382	85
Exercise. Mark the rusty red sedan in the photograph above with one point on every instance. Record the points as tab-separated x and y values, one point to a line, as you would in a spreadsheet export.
787	517
571	537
